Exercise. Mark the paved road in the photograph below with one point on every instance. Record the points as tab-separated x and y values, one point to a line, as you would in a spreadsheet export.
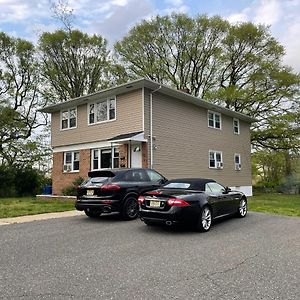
79	258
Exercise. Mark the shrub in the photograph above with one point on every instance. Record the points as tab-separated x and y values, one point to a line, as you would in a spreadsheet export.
16	181
71	190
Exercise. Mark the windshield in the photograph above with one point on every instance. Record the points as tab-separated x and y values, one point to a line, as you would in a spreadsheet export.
177	185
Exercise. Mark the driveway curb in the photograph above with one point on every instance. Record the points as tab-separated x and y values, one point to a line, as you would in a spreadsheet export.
39	217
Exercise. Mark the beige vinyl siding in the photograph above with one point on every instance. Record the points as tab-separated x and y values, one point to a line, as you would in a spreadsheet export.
183	140
128	119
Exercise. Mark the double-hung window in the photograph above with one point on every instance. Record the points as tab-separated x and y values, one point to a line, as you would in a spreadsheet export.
236	126
214	120
237	162
102	111
105	158
69	118
71	161
215	159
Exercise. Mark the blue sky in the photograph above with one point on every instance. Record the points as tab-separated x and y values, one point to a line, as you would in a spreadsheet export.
113	18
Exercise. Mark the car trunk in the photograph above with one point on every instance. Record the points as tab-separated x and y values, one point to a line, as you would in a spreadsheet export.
158	200
98	185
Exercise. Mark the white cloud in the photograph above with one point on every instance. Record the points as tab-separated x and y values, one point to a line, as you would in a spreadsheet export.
238	17
16	10
119	19
268	12
292	45
174	2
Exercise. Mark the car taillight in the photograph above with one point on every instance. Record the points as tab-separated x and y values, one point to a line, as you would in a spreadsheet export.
141	199
176	202
154	193
110	187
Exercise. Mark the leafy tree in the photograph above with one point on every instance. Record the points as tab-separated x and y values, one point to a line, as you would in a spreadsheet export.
176	50
19	97
236	66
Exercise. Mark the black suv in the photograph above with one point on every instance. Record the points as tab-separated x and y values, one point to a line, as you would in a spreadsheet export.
116	190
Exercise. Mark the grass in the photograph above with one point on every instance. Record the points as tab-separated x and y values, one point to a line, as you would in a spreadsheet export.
13	207
279	204
287	205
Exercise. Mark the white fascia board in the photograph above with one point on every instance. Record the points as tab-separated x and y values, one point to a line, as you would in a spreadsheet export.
84	146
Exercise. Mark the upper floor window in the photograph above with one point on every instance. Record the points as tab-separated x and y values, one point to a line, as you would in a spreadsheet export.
105	158
237	162
71	161
102	111
69	118
215	159
236	126
214	120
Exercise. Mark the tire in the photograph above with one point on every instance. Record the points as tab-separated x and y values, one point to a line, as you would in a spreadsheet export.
243	208
92	213
205	219
130	208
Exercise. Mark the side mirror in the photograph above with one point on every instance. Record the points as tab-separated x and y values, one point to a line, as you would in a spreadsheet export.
227	190
163	181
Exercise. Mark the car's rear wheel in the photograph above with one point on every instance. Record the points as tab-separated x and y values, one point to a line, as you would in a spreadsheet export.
205	219
130	209
243	208
92	213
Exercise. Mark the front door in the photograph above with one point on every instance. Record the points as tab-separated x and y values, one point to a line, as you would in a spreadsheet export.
136	155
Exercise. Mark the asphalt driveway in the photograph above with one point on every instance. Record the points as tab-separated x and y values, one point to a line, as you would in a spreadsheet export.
79	258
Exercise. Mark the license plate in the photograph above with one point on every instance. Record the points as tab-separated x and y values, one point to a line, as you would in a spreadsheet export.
154	203
89	192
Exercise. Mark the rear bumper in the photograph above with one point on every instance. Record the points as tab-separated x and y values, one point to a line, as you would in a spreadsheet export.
113	206
188	215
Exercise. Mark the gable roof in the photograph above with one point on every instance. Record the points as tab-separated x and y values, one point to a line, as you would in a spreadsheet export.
152	85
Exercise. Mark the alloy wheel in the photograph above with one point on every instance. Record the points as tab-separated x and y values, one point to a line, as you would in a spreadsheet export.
206	219
243	208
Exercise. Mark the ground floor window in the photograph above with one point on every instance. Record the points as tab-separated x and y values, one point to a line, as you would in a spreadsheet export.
71	161
237	162
105	158
215	159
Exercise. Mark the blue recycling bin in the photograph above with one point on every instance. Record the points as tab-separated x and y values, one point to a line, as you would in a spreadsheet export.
47	190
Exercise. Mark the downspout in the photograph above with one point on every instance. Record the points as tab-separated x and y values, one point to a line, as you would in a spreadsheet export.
151	126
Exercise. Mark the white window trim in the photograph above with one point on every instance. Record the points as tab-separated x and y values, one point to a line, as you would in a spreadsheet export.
237	126
237	166
214	113
95	103
99	158
222	163
72	162
68	128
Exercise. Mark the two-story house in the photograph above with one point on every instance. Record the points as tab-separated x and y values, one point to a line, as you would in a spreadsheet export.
146	124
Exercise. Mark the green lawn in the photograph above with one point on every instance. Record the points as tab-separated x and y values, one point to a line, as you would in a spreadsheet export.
287	205
13	207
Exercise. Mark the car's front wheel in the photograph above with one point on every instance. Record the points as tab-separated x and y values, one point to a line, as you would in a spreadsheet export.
92	213
243	208
205	219
130	209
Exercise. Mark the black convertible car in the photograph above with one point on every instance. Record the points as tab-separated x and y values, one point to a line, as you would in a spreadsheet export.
197	201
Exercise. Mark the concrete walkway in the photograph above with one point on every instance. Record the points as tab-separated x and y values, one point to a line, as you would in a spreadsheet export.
39	217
